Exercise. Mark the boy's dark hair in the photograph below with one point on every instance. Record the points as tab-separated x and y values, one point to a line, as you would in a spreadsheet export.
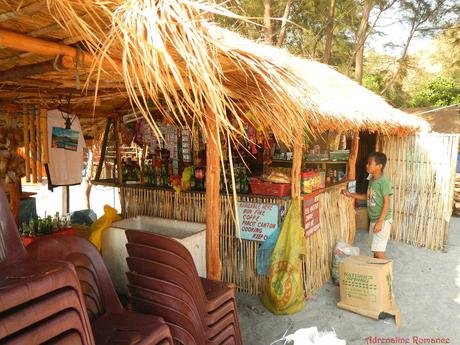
380	158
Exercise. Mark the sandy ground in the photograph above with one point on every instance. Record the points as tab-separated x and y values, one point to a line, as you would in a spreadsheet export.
427	289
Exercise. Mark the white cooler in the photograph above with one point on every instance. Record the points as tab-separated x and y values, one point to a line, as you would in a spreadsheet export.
191	235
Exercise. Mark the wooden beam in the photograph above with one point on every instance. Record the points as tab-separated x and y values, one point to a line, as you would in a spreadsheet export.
35	82
17	41
32	69
213	264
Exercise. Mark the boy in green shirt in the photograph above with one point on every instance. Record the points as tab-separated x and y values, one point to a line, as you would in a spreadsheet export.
379	203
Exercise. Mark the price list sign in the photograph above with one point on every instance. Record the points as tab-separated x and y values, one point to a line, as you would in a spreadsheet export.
311	214
257	221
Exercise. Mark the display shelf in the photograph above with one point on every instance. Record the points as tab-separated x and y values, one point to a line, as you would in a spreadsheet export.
325	162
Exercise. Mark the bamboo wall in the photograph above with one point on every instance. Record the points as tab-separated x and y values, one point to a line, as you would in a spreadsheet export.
422	171
239	257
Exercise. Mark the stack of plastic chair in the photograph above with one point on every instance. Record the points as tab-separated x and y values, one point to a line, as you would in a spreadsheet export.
111	323
163	280
40	301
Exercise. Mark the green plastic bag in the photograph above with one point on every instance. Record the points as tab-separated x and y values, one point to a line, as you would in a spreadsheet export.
284	291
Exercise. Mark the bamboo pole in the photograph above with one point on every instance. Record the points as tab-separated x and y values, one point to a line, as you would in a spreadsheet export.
26	142
44	128
353	157
39	146
296	166
21	42
142	163
119	164
213	264
33	148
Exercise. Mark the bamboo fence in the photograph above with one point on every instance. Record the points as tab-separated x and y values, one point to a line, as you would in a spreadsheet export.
422	171
239	257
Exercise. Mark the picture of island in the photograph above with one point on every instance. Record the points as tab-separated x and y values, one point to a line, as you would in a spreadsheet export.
63	138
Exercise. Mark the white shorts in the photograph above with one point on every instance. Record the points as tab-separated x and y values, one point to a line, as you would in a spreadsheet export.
378	241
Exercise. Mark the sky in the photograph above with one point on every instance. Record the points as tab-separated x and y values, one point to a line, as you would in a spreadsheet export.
394	32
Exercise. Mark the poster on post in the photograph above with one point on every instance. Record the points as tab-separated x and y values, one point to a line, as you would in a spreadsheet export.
257	220
311	214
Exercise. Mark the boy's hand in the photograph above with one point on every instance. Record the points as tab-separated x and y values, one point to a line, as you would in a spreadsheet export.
346	193
378	226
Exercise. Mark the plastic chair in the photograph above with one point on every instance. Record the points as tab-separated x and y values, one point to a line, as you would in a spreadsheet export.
38	310
110	320
23	280
165	257
152	257
48	329
221	292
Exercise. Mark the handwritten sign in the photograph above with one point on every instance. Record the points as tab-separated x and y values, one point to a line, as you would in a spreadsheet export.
311	214
257	221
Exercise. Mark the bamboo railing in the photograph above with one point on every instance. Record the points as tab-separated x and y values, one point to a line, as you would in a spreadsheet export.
239	257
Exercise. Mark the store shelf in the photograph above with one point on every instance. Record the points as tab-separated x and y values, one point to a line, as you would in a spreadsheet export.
325	162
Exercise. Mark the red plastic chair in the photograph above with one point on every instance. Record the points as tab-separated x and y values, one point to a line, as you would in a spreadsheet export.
221	292
48	329
165	257
24	281
38	310
111	322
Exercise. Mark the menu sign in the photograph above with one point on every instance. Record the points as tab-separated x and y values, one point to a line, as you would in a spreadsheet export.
311	214
257	221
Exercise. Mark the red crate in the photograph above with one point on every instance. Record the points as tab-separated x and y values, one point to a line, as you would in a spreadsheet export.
269	188
27	240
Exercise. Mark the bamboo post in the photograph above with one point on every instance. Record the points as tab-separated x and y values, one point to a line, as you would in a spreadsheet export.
142	163
39	146
213	264
65	199
33	148
353	157
116	132
44	135
26	142
296	167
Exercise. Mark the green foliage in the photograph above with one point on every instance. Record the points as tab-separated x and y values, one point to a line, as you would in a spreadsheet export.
405	79
437	92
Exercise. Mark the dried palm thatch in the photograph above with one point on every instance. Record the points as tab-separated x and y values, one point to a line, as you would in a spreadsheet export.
167	51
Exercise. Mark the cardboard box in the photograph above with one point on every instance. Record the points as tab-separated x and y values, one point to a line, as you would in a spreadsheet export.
366	287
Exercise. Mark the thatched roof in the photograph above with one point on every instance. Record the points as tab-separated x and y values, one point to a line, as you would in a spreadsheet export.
441	120
191	69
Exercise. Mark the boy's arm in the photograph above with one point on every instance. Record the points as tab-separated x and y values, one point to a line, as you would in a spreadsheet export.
354	195
386	205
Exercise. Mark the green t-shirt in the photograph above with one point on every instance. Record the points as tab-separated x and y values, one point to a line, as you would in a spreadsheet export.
375	193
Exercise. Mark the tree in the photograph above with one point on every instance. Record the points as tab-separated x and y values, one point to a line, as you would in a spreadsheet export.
268	28
282	34
437	92
360	39
329	32
423	16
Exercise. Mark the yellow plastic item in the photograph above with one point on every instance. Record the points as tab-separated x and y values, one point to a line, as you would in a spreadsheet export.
284	291
101	224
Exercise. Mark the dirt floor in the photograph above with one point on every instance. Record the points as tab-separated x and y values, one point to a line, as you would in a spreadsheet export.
427	289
